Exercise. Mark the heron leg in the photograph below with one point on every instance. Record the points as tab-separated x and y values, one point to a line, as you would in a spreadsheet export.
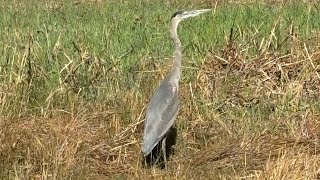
164	151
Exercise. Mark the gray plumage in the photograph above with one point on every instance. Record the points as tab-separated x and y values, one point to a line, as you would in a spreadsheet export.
163	107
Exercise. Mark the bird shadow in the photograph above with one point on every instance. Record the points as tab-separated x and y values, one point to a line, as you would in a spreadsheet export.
156	157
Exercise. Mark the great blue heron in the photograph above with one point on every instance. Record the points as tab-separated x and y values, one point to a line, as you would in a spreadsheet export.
162	110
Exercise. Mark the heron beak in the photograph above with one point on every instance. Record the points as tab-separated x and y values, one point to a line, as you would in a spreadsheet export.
202	11
194	13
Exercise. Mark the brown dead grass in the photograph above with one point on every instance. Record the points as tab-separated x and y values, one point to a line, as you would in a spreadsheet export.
83	148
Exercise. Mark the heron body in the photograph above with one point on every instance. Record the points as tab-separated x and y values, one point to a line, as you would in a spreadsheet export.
159	135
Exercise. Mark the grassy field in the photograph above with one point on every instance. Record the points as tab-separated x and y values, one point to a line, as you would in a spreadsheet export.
76	77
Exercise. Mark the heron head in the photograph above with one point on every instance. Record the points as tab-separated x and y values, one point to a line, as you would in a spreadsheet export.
180	15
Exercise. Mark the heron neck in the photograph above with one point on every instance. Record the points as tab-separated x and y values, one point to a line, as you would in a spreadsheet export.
176	67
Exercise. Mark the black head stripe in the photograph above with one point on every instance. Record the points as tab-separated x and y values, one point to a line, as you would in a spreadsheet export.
176	13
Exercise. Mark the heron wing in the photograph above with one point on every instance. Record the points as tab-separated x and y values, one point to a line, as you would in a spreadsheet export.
161	113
